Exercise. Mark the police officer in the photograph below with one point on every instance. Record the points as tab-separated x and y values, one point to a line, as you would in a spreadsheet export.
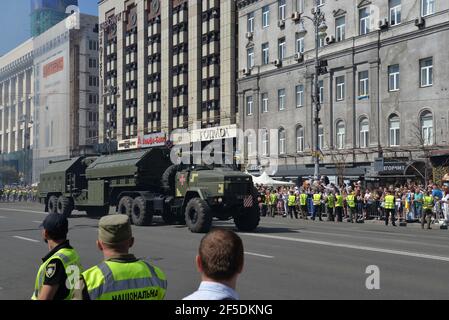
291	202
389	208
52	280
350	200
273	202
330	205
338	207
428	206
317	204
121	276
303	203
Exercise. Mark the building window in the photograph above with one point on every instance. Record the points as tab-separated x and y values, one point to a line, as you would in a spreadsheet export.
427	7
281	46
395	12
365	20
265	53
264	102
340	81
321	137
251	22
299	139
250	53
265	142
426	66
299	43
281	99
427	128
320	3
363	84
393	78
340	29
282	7
282	141
394	127
249	106
321	90
265	16
341	133
299	96
364	133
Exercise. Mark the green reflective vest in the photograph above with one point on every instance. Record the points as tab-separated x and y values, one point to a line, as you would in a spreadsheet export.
72	265
389	202
137	280
303	199
339	202
316	199
291	200
273	198
428	203
350	199
330	201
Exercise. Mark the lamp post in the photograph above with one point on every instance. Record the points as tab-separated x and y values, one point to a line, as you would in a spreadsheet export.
320	28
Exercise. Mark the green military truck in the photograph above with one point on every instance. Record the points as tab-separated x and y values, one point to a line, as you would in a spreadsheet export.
144	183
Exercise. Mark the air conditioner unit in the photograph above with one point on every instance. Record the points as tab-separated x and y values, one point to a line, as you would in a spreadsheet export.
420	22
246	72
296	16
277	63
383	24
330	39
281	23
299	57
249	35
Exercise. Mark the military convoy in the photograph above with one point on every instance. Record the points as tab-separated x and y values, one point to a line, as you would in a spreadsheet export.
143	184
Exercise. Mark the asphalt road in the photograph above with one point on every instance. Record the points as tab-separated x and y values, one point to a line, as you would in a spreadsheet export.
285	259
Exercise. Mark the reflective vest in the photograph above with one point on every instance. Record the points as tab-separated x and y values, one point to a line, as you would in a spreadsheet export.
350	199
339	202
137	280
72	265
316	199
389	202
428	203
291	200
273	198
330	201
303	199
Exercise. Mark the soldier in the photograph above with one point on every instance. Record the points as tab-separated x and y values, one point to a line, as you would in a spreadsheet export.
330	205
121	276
428	206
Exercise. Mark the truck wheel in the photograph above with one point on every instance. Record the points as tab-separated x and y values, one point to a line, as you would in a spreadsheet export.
125	206
249	218
53	205
64	206
141	214
96	212
168	179
198	216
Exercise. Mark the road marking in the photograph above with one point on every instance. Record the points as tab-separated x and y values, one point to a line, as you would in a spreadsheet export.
37	222
9	209
2	217
349	246
259	255
26	239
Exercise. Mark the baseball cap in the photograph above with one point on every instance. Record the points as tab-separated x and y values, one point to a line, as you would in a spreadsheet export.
114	229
55	223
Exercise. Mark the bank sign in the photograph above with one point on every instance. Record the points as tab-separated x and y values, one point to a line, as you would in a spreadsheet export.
152	140
216	133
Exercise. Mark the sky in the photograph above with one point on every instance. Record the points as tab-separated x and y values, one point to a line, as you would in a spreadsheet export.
15	21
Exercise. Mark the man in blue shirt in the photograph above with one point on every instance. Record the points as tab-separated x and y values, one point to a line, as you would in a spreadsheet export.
220	262
436	192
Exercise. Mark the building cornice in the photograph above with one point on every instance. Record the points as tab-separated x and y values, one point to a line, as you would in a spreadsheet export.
244	3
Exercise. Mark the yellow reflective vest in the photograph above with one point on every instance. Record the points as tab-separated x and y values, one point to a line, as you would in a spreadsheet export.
389	202
339	201
291	200
350	199
428	203
316	199
303	199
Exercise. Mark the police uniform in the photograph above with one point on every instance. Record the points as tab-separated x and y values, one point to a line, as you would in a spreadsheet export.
350	200
389	209
291	203
427	214
63	260
121	277
317	205
330	204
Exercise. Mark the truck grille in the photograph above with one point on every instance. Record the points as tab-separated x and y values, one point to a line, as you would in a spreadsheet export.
238	190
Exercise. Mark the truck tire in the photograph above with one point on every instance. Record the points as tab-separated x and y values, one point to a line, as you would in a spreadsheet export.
97	212
141	214
125	206
64	206
53	204
168	179
198	216
249	218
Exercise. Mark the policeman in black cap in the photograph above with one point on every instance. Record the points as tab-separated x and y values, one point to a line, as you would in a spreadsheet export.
61	267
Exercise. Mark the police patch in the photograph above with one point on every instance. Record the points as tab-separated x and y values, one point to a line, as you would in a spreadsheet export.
51	270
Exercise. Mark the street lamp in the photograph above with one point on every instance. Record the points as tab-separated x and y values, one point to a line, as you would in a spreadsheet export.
320	27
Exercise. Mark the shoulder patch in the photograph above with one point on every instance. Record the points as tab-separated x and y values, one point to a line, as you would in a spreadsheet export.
51	270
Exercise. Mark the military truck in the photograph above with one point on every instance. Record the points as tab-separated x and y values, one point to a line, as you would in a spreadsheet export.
144	183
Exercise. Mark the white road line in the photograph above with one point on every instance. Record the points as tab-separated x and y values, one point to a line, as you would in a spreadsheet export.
21	210
26	239
349	246
259	255
37	222
2	217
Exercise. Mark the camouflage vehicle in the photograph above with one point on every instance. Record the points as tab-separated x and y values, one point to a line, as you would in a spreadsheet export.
143	184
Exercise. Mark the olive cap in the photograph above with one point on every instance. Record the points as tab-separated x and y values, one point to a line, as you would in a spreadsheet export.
114	229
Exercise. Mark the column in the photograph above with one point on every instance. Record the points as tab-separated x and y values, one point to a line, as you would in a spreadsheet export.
166	63
142	54
195	65
121	112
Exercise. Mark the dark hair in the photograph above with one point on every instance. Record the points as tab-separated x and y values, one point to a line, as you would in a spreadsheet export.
221	254
57	236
